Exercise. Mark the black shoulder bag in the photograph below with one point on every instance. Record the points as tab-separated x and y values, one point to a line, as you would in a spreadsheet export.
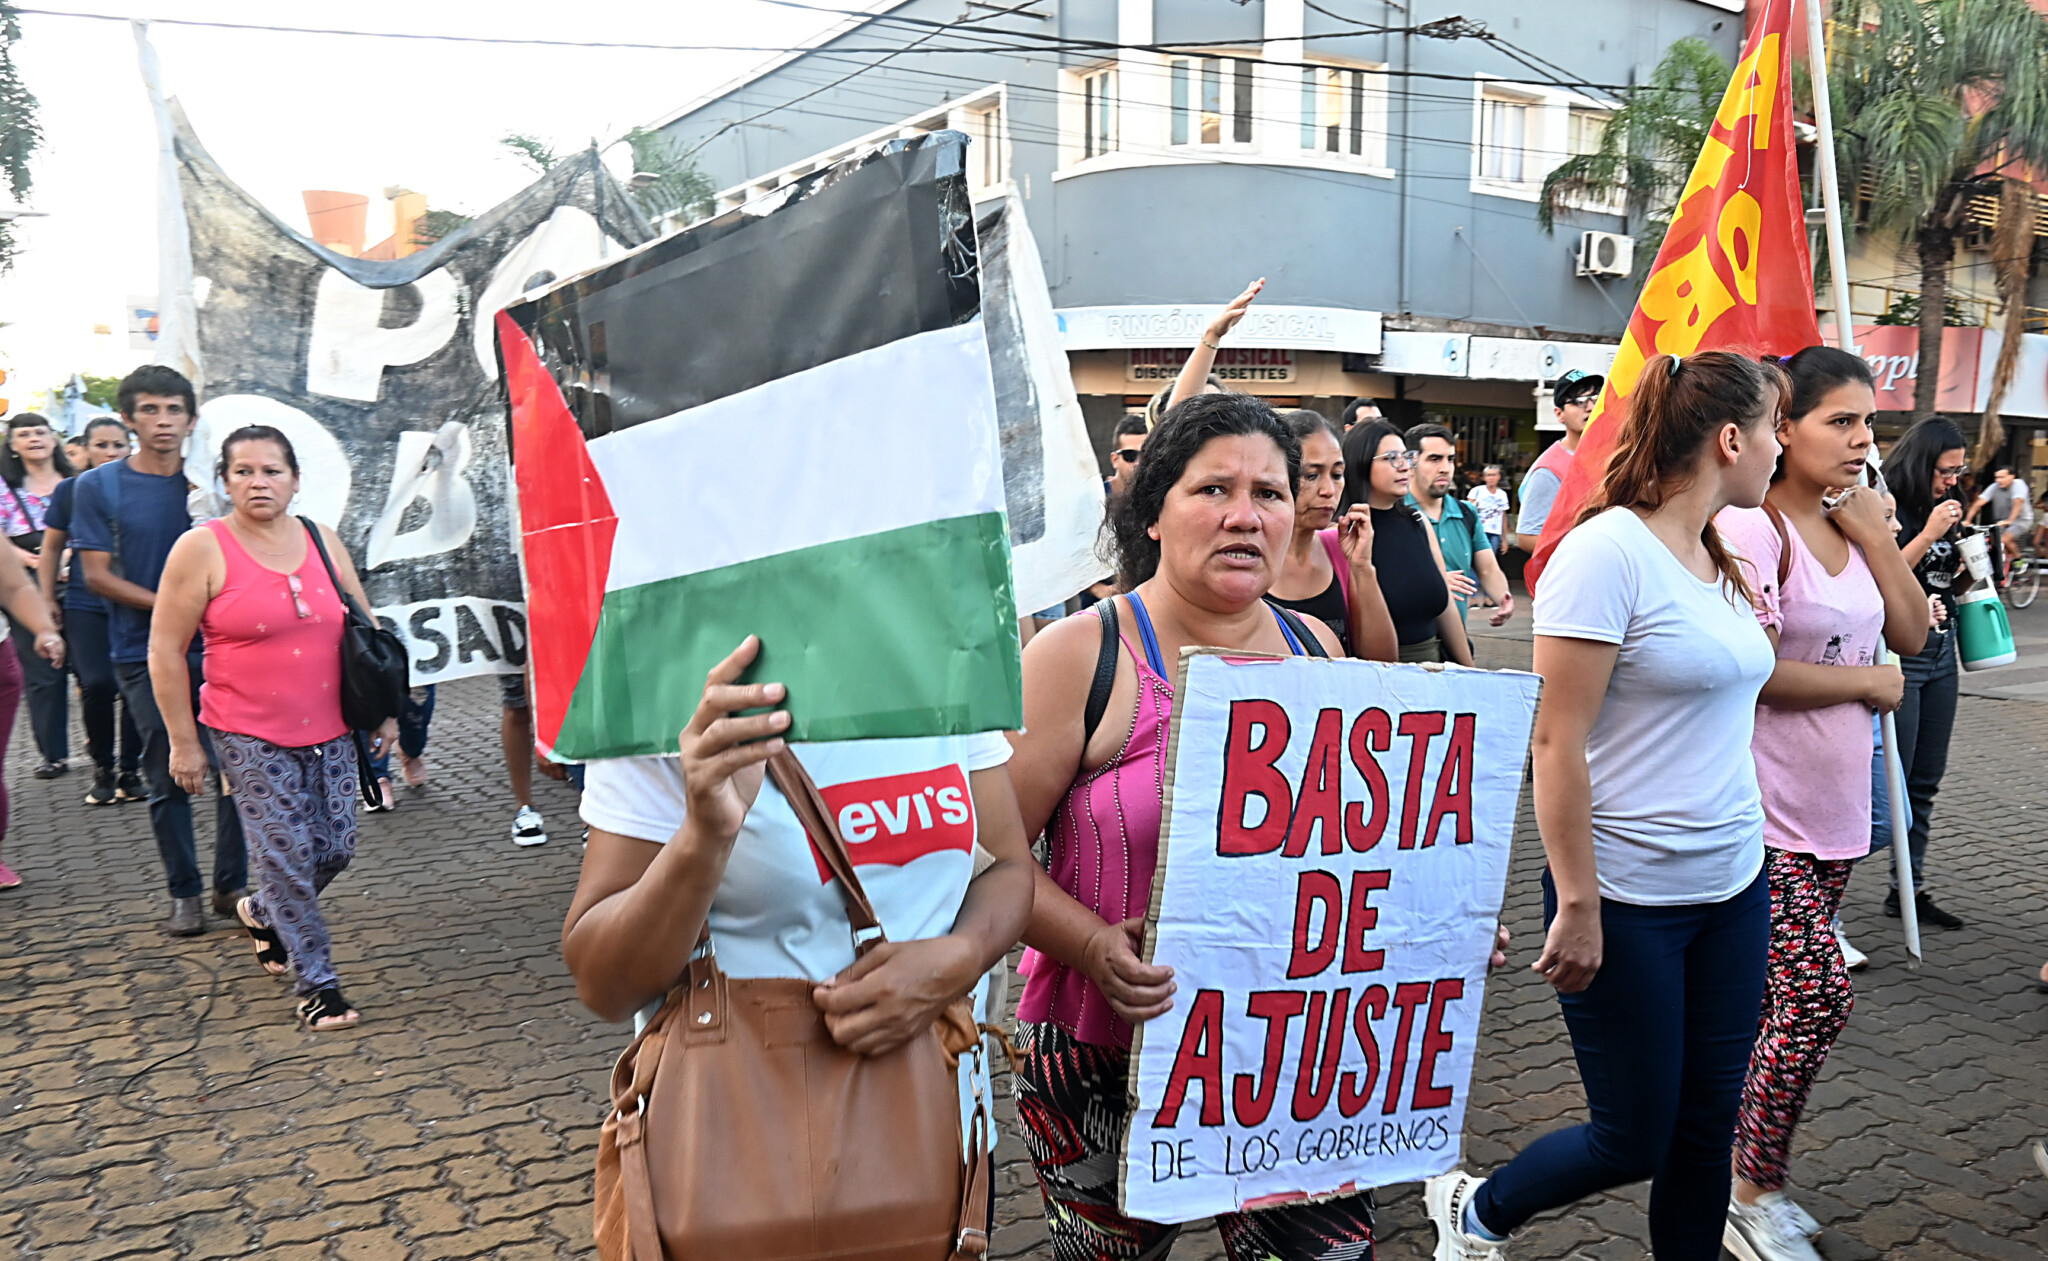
375	670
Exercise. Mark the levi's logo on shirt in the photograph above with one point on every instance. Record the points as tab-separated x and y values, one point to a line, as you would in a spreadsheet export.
899	818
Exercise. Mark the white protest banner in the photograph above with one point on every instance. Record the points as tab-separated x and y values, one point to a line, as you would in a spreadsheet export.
1330	877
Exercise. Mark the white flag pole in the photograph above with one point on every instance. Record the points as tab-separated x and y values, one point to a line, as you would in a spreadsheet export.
1838	279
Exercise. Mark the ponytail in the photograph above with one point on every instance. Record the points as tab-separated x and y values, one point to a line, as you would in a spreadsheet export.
1678	405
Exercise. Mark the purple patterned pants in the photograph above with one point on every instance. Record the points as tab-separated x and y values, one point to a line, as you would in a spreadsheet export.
298	812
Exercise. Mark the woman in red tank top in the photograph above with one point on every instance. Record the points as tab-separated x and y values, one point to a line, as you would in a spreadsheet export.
255	586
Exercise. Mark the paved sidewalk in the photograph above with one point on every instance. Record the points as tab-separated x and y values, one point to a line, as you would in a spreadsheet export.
157	1102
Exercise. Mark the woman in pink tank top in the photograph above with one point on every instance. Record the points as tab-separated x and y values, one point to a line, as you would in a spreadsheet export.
255	586
1199	539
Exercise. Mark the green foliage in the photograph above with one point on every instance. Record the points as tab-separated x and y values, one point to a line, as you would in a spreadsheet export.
1928	96
1905	309
435	224
1648	148
102	392
20	132
679	184
530	149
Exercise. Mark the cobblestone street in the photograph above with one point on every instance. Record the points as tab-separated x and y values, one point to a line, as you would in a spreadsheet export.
156	1099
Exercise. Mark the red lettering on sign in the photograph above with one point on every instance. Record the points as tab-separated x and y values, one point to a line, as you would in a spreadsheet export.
1373	731
1420	728
1315	888
1360	919
896	819
1251	1100
1454	784
1200	1059
1314	1081
1248	771
1408	996
1322	788
1353	1094
1435	1041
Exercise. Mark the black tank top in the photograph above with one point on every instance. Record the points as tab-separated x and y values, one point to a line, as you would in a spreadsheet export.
1327	607
1409	577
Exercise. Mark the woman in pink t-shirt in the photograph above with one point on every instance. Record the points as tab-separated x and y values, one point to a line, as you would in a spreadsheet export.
253	583
1831	589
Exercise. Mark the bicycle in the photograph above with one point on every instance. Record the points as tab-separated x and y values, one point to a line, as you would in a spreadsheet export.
2023	577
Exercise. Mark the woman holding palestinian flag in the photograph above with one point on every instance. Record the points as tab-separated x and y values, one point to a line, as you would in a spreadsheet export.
1831	589
1657	910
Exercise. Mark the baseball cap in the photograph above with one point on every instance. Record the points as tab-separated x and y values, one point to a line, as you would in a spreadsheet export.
1572	383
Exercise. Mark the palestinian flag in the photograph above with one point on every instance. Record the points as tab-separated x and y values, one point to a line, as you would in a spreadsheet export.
779	423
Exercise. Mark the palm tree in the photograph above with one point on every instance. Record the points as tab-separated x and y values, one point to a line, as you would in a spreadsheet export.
1647	149
20	133
1937	102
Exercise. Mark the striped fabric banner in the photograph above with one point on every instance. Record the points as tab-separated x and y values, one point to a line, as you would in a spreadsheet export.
694	481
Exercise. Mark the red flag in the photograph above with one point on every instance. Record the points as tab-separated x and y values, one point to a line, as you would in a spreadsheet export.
1734	272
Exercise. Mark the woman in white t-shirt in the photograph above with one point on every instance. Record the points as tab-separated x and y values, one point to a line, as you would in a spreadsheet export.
1646	795
679	843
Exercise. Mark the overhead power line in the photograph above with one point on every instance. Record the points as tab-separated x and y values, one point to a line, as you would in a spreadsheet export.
1091	47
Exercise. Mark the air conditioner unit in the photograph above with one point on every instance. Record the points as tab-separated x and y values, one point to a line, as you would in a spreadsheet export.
1606	254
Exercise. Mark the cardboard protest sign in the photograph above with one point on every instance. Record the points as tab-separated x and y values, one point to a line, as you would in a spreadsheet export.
1330	876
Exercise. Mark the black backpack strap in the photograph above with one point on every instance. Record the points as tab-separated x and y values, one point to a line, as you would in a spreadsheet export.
1301	631
1105	670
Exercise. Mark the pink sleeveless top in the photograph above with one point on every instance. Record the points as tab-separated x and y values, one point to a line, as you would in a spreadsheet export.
269	672
1102	846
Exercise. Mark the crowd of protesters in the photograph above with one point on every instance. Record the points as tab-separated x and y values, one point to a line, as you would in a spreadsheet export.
1733	575
205	654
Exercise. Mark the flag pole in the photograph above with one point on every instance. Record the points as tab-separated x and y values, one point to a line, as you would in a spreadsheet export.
1824	172
1831	206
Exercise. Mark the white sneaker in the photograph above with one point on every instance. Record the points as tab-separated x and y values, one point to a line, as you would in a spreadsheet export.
1806	1223
527	829
1768	1230
1446	1196
1851	956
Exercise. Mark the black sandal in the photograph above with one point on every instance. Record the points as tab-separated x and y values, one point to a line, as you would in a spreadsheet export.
270	951
326	1009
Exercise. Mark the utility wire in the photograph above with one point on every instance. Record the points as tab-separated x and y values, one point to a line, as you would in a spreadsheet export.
1095	47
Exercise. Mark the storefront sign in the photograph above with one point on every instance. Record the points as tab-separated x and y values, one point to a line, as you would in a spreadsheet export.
1893	353
1295	327
1329	880
1159	365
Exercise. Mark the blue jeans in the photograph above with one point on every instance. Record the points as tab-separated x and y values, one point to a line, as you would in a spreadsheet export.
413	721
170	809
1926	719
1662	1036
99	694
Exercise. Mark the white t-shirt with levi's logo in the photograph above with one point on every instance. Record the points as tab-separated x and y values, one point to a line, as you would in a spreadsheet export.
906	811
903	806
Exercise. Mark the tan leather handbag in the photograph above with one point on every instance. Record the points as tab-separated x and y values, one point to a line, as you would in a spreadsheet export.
739	1129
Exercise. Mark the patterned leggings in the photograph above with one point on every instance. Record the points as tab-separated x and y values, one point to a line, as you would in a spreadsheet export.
1072	1103
1807	998
298	812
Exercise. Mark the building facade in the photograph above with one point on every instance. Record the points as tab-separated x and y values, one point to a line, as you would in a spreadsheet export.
1380	169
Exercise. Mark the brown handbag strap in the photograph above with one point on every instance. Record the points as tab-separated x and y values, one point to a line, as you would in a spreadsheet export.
795	784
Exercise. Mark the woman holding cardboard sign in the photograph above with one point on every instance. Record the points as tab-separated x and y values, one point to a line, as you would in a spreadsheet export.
1199	541
1646	795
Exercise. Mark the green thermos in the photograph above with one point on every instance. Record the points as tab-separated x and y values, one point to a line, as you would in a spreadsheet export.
1982	632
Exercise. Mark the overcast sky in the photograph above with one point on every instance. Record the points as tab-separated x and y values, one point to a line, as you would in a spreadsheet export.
286	112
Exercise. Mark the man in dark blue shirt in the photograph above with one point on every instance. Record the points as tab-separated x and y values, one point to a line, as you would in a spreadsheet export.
122	532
